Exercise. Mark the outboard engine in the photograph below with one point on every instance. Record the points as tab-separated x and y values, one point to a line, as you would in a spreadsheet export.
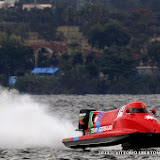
84	118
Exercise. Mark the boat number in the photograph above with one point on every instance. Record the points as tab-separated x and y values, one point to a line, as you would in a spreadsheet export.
120	113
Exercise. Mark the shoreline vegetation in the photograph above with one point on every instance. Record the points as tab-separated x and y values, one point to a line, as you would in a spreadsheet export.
96	46
52	85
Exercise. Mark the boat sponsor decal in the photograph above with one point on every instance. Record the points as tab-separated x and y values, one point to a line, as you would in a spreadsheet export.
100	115
76	138
95	119
142	105
149	117
98	123
120	113
81	118
67	140
82	114
90	120
80	122
87	132
101	129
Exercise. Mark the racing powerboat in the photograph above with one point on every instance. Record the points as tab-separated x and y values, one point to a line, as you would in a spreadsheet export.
132	126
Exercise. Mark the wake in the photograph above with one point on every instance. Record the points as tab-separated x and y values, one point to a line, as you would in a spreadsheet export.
25	123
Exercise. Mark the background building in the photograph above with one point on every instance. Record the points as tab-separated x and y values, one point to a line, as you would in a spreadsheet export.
11	2
1	3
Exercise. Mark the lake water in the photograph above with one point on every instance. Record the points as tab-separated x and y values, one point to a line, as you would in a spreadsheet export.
32	127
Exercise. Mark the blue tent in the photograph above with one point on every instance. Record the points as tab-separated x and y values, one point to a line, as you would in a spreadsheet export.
45	71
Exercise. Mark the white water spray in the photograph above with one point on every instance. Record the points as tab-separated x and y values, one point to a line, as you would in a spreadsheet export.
25	123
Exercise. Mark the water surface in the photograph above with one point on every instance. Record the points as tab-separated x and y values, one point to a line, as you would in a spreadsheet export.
39	123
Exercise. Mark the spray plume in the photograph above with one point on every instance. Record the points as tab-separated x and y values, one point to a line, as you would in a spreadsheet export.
25	123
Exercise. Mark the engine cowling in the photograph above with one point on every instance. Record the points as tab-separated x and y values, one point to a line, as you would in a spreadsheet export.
84	118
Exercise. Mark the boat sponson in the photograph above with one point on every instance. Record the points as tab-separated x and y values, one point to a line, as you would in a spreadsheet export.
102	139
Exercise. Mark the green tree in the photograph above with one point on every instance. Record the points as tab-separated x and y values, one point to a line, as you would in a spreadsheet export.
47	32
93	69
19	29
14	55
154	53
77	58
69	15
142	21
127	5
90	58
43	60
139	45
112	33
118	62
18	6
54	61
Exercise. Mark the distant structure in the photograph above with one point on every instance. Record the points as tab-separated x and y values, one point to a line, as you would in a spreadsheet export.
39	6
36	5
152	71
10	2
1	4
45	71
6	3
